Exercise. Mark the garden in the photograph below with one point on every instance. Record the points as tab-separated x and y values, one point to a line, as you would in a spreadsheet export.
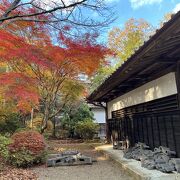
45	63
52	56
22	145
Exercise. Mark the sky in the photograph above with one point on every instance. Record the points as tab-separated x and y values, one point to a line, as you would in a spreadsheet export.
152	11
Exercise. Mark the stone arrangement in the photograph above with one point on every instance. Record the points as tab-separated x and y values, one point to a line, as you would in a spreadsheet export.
161	158
68	158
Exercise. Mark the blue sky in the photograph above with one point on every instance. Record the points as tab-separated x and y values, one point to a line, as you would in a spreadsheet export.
152	11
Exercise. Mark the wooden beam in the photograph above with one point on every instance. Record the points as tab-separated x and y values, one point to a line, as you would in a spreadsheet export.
125	85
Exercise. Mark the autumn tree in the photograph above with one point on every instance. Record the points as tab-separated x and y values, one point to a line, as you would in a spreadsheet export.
56	13
165	19
123	42
104	70
40	72
127	40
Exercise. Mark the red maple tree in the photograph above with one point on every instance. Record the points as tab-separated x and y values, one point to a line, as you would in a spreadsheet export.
39	70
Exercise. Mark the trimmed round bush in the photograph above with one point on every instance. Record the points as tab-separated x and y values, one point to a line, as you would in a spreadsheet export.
27	148
86	129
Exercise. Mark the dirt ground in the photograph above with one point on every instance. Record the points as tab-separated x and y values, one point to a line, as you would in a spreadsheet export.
103	169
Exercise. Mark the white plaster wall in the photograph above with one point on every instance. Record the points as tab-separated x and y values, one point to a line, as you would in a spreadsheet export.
99	115
158	88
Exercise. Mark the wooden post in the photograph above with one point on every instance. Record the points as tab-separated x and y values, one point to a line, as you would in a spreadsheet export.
108	137
177	74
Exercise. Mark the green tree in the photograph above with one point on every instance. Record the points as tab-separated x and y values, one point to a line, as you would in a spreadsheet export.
74	114
102	73
72	92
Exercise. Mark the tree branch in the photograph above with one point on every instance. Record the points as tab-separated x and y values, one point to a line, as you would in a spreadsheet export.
5	16
10	9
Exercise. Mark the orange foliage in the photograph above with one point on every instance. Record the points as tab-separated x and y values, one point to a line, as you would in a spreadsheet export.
72	57
19	88
15	24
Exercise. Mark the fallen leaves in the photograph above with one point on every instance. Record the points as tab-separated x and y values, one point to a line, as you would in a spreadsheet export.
11	173
8	172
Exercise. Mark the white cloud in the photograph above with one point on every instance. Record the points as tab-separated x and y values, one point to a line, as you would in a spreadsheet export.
177	8
138	3
48	4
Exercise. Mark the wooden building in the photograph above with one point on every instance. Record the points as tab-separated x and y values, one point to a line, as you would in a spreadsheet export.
143	96
100	119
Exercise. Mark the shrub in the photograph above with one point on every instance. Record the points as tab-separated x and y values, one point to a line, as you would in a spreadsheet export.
4	142
9	123
37	123
21	158
86	129
62	134
27	148
49	126
25	158
71	116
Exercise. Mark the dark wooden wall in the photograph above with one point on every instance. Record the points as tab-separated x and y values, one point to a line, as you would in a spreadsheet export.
156	123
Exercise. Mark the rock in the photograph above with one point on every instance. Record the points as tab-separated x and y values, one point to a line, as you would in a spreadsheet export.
142	145
167	151
176	163
148	163
160	158
165	167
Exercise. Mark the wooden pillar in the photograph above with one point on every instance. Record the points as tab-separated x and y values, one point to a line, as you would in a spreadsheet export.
177	74
108	137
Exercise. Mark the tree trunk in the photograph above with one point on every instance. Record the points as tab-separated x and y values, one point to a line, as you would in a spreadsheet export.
54	127
32	114
45	118
44	124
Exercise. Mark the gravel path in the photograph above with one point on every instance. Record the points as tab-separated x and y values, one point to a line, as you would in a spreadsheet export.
103	169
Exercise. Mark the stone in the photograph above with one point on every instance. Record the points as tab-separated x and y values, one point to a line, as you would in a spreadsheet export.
160	158
67	153
176	163
165	167
148	163
69	158
167	151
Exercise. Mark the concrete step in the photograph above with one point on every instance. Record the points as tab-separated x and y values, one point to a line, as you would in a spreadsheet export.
133	167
